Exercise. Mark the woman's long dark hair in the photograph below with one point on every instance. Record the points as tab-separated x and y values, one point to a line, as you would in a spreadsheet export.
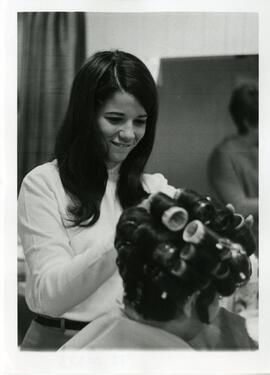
80	150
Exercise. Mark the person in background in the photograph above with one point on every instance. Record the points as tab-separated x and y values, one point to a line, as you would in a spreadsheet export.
233	165
174	268
233	176
68	207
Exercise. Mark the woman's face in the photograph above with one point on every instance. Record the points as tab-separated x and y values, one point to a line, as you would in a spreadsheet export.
122	121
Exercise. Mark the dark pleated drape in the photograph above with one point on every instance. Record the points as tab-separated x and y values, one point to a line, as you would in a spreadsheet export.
51	47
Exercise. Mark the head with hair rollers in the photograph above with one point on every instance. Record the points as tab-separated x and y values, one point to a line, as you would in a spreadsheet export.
177	256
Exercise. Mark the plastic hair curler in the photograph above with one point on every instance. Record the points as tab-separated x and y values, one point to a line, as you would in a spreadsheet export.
232	256
198	207
165	210
217	217
200	235
242	234
224	281
239	260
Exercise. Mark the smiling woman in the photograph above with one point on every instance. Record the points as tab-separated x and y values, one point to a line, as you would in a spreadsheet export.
69	207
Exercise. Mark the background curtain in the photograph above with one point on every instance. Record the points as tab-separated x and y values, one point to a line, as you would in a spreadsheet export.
51	47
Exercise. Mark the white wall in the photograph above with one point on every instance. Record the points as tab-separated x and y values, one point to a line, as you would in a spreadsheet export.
149	35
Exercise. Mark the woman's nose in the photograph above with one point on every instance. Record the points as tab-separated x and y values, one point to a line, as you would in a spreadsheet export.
127	132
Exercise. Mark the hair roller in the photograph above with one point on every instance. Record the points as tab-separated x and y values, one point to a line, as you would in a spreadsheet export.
125	232
240	264
221	272
188	252
128	223
167	255
219	218
197	206
125	254
175	218
145	239
223	221
180	269
199	258
146	203
200	235
189	274
242	234
220	250
238	221
223	280
159	203
164	209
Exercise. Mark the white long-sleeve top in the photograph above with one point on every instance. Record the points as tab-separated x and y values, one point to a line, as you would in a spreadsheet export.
71	271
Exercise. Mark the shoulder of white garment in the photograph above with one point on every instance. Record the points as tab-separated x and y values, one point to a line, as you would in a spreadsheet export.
45	171
44	180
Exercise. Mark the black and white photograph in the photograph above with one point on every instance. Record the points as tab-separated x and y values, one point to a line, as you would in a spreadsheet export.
135	233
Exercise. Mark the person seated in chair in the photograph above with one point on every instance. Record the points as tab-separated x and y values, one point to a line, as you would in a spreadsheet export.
175	261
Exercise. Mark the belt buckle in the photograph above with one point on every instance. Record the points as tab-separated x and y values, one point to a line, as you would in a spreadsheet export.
62	324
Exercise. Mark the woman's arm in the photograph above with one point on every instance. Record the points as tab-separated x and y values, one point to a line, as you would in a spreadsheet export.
60	278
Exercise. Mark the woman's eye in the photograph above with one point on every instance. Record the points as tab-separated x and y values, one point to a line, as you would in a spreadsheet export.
114	120
140	122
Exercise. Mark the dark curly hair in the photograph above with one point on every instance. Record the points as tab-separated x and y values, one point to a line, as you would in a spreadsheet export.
165	254
80	149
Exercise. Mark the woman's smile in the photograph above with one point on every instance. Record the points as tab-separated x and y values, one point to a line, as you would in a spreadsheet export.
121	145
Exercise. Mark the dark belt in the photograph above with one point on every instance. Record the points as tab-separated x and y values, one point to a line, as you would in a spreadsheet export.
61	323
